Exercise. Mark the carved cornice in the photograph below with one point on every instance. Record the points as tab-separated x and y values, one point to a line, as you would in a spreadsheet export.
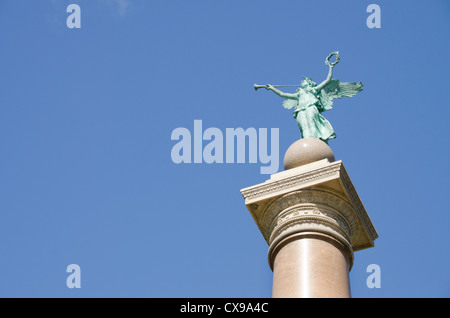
356	201
296	180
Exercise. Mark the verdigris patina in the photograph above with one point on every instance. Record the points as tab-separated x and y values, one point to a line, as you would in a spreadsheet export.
310	100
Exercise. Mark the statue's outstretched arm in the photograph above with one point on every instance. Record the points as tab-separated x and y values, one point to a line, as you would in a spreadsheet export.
325	82
280	93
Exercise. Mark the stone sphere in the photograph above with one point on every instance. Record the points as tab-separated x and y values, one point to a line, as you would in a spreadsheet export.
305	151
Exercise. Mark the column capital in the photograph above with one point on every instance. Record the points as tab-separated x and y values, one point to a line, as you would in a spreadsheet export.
318	197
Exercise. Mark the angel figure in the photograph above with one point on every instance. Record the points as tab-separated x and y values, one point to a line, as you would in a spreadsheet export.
311	100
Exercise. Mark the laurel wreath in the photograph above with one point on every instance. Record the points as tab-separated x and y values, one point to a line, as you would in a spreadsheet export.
332	64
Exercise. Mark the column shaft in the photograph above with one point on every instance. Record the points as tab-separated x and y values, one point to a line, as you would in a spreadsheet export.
311	266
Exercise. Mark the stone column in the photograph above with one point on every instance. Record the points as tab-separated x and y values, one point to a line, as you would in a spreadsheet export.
313	220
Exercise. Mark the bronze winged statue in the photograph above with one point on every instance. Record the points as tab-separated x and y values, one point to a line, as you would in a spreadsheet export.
311	100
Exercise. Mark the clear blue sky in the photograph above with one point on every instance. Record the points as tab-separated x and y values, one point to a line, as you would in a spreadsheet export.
86	117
